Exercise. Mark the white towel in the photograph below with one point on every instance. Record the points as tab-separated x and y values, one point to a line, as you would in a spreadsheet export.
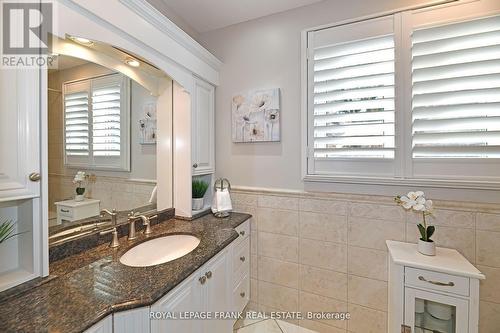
222	201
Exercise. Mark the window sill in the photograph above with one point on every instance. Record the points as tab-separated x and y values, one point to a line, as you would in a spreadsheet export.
384	181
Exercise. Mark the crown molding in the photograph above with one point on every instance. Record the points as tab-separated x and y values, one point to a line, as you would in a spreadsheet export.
162	23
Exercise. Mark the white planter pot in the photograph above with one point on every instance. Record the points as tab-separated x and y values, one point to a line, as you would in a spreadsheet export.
198	203
427	248
79	197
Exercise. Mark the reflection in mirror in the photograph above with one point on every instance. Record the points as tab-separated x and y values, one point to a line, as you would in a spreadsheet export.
101	137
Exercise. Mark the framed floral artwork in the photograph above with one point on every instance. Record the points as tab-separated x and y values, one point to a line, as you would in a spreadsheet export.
256	116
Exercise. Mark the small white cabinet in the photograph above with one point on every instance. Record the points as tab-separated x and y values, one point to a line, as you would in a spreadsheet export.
431	293
71	210
203	129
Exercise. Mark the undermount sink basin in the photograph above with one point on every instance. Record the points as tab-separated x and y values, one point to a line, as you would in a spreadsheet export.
159	250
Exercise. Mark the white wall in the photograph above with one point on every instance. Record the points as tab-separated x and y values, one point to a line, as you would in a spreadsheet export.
265	53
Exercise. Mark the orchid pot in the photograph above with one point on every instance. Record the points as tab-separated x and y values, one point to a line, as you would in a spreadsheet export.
79	180
417	202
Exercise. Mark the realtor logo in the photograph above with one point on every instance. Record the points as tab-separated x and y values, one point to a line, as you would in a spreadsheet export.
26	27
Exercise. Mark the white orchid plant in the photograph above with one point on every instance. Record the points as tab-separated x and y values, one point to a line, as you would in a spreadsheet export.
79	181
416	201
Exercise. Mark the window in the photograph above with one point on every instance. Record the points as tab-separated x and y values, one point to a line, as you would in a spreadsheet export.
96	131
401	97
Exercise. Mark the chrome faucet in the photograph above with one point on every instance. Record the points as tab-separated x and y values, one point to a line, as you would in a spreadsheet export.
112	213
146	221
131	228
114	241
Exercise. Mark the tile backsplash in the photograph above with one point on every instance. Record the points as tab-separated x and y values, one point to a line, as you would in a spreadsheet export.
326	252
114	193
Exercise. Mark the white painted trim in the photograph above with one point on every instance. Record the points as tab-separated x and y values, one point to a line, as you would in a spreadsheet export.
161	22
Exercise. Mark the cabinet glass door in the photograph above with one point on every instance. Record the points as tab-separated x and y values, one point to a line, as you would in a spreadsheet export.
428	312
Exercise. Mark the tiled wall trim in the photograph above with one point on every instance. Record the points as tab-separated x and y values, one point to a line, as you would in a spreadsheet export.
326	252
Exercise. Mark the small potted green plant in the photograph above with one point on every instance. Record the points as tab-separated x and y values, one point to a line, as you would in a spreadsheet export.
198	192
417	202
7	231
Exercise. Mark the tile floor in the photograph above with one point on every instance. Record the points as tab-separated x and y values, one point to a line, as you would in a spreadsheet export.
267	326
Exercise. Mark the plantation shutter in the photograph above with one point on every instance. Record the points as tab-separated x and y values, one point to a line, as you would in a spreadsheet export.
106	120
97	129
456	90
352	98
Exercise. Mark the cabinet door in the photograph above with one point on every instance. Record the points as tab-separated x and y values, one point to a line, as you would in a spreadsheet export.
215	293
432	312
104	326
19	133
184	298
203	150
132	321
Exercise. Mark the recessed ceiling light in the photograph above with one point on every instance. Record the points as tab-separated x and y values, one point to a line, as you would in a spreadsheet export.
132	62
83	41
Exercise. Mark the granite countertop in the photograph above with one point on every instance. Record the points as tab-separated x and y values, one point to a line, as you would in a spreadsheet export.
86	287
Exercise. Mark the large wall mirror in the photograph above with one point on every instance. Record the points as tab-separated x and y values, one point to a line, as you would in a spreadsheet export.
103	104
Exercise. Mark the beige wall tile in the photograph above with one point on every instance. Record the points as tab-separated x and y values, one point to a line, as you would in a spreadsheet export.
365	320
278	246
244	199
488	248
376	211
373	233
326	227
443	217
315	303
367	292
279	272
323	206
285	222
490	288
489	317
318	327
327	255
323	282
368	263
278	297
252	210
489	222
279	202
461	239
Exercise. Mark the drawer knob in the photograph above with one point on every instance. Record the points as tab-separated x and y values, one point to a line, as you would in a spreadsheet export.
437	283
242	259
242	232
208	274
35	176
242	294
195	165
202	279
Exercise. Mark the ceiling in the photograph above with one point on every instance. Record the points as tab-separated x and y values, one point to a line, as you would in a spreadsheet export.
205	15
65	62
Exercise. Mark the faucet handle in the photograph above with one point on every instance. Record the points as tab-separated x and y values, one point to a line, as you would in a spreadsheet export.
114	241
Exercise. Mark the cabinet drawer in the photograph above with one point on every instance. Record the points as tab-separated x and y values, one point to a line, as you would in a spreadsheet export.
437	281
243	231
241	260
66	211
241	294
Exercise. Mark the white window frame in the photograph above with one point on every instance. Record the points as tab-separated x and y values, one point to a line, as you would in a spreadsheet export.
123	162
404	173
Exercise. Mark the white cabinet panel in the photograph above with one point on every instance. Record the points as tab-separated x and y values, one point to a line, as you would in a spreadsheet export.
203	147
19	133
215	293
132	321
104	326
185	297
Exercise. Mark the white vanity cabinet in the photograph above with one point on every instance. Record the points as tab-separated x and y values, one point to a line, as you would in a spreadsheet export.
240	269
203	128
203	292
104	326
431	293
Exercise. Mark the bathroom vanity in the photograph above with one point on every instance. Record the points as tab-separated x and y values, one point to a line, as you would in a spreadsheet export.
93	291
432	293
